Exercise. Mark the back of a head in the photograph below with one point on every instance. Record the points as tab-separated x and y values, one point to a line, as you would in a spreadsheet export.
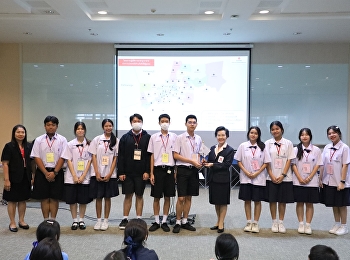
226	247
48	228
136	229
116	255
47	249
322	252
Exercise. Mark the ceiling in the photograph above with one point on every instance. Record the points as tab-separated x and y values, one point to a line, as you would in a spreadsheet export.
170	21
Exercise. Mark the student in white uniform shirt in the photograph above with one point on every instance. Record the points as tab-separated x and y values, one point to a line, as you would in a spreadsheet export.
186	154
279	183
77	175
162	176
336	179
252	159
103	181
48	179
305	179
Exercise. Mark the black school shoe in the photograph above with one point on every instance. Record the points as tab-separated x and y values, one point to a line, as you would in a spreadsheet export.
154	227
165	227
176	228
74	226
188	226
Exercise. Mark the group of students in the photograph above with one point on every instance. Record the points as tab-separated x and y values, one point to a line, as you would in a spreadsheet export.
273	171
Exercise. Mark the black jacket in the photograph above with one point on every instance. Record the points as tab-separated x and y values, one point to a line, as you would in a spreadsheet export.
12	154
220	172
126	163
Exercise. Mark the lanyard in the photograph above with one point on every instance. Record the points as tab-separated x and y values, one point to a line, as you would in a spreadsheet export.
278	148
82	150
50	145
167	139
332	154
251	149
106	146
193	145
137	141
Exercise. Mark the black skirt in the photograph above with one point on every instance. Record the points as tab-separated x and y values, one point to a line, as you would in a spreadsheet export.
282	192
101	189
219	193
76	193
306	194
250	192
19	191
331	197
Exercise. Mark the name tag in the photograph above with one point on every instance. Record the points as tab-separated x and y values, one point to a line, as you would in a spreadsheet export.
165	157
80	165
306	167
105	160
221	159
329	168
278	163
50	158
137	154
255	165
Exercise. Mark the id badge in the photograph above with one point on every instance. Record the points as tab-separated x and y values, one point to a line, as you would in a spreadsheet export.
306	168
165	157
221	159
137	155
168	171
105	160
278	163
80	165
255	165
329	168
195	157
50	158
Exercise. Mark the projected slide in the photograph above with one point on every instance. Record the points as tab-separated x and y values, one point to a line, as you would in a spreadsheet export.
208	84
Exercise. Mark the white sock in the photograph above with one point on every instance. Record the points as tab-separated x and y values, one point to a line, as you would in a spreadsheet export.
138	217
165	217
75	220
249	221
255	221
105	220
301	223
178	221
125	217
99	220
337	223
307	224
281	221
156	217
81	219
184	221
274	221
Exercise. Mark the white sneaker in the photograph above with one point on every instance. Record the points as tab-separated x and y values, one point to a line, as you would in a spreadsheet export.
255	228
274	227
301	228
248	227
281	228
342	230
334	229
308	230
104	225
97	225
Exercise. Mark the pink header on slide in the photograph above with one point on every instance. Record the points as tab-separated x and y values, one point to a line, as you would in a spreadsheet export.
136	62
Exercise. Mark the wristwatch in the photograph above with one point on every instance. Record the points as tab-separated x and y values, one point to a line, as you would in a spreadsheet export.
284	175
56	173
342	181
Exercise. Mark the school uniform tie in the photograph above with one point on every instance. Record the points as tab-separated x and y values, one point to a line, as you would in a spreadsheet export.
307	150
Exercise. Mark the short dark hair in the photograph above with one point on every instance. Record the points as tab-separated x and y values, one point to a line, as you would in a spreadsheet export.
162	116
226	247
335	129
138	116
48	228
222	128
322	252
279	124
52	119
190	116
14	129
47	249
116	255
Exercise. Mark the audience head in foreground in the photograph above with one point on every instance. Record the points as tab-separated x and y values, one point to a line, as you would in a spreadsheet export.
226	247
47	249
322	252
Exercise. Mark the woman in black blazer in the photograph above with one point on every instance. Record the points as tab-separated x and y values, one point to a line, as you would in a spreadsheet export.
219	161
16	163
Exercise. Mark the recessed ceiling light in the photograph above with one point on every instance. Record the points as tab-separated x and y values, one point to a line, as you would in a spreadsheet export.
307	66
234	16
160	34
280	66
209	12
227	34
27	33
49	11
296	33
264	12
93	34
102	12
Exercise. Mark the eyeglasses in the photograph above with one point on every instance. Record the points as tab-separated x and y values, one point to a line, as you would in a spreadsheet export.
191	122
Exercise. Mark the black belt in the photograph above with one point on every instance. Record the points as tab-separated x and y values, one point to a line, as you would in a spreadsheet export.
187	167
164	166
50	169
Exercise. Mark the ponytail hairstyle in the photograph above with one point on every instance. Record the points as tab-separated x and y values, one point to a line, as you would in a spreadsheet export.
258	141
82	124
135	234
113	141
300	145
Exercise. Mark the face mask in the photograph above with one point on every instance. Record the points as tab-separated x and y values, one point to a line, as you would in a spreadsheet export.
164	126
136	126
